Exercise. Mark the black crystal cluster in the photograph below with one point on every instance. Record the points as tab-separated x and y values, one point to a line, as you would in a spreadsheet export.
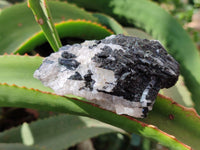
141	67
136	64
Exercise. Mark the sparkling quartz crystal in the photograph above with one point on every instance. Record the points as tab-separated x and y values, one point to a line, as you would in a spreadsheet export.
119	73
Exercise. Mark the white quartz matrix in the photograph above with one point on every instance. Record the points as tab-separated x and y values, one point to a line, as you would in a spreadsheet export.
115	73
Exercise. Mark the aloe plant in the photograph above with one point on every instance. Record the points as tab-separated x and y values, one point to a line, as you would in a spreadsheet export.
26	30
69	124
84	108
18	88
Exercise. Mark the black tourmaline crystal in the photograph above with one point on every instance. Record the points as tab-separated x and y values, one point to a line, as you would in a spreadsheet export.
139	64
119	69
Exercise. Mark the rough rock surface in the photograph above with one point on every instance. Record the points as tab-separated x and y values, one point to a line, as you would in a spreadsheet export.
119	73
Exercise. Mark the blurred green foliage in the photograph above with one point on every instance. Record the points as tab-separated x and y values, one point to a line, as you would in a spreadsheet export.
182	10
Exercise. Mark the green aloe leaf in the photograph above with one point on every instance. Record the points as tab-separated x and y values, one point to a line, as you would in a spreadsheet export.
23	30
19	70
17	146
110	23
43	17
166	114
14	32
80	29
162	26
63	131
20	97
176	120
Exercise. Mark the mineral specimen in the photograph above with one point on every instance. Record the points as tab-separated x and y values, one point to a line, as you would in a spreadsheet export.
119	73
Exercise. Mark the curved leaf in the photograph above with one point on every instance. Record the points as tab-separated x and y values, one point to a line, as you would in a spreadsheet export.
19	70
14	32
17	146
20	97
63	131
25	28
162	26
110	23
176	120
72	28
26	65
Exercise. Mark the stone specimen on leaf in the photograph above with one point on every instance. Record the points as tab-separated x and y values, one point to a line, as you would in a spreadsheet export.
119	73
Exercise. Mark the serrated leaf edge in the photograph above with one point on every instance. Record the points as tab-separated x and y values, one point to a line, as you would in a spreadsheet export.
191	110
128	117
63	22
24	55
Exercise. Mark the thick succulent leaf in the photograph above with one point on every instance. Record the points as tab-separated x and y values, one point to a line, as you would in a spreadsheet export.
110	23
63	131
19	70
162	26
14	32
81	29
17	146
176	120
23	75
25	29
20	97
